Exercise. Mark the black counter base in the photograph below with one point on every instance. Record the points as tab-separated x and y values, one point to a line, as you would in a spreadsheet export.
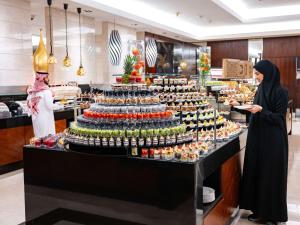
63	216
138	191
11	167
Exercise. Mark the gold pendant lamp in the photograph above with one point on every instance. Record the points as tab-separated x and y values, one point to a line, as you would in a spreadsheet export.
80	71
51	59
40	58
67	60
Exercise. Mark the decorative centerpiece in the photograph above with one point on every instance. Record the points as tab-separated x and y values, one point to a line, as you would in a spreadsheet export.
204	64
133	68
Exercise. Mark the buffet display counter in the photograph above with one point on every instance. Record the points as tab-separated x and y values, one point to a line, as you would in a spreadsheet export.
73	187
16	131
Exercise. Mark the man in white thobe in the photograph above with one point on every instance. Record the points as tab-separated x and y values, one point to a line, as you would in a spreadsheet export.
40	104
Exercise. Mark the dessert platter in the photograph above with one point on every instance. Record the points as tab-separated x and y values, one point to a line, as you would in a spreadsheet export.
242	94
192	107
173	85
184	152
228	131
126	119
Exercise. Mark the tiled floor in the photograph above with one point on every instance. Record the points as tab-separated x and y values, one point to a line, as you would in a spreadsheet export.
12	198
293	181
12	190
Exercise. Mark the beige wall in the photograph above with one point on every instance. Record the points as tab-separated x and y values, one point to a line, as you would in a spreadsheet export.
15	43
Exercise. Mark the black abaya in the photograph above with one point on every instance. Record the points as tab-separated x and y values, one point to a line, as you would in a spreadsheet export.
264	182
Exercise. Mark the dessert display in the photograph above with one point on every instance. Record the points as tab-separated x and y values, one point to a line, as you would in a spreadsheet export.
180	94
192	107
184	153
214	83
127	118
124	97
65	92
173	85
4	111
50	141
242	94
229	130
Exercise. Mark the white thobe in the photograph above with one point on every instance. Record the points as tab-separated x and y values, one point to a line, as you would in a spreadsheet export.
43	121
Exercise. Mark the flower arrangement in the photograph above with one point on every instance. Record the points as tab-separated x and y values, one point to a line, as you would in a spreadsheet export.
204	64
204	67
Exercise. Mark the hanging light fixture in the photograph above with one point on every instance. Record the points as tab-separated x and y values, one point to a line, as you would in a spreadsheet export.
183	64
67	60
151	52
51	58
115	47
80	71
40	58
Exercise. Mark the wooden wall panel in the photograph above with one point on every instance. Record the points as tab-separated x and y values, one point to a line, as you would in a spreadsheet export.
287	68
11	145
280	50
237	49
280	47
12	141
283	51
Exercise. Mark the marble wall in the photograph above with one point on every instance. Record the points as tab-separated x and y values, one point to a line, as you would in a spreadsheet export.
94	46
104	68
15	43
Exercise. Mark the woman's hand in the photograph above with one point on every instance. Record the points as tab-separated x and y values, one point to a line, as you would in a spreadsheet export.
233	102
255	109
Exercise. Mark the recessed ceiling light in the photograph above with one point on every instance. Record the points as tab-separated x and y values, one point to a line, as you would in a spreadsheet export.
87	11
240	10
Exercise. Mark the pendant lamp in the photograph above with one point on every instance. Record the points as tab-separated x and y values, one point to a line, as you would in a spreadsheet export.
51	59
151	52
40	58
80	71
183	64
115	47
67	60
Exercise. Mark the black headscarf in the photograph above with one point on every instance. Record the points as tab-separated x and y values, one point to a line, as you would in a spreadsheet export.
270	83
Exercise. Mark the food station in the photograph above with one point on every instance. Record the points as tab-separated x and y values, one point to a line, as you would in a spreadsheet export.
159	145
140	154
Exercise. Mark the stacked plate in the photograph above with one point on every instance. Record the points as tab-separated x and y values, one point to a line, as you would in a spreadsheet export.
4	111
208	195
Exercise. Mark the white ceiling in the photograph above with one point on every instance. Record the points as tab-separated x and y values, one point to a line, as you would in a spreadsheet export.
270	3
37	9
198	20
192	10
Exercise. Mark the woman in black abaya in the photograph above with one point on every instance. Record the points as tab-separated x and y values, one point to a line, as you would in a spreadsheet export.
264	182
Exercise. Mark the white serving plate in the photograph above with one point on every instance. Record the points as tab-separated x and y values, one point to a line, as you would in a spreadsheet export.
243	107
